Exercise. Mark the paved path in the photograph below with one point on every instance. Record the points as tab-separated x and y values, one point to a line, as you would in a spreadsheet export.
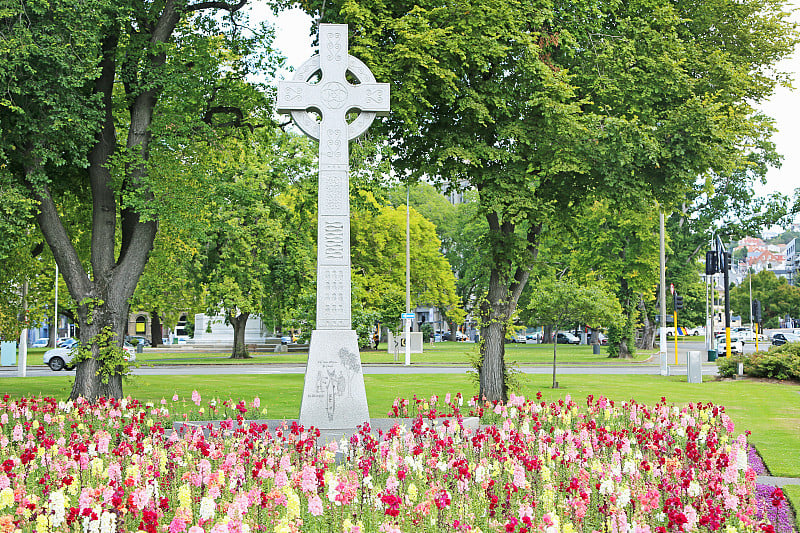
709	369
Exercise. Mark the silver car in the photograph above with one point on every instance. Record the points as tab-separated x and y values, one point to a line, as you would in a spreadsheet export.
61	358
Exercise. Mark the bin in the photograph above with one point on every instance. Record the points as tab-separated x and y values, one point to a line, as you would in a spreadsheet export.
595	349
712	355
139	348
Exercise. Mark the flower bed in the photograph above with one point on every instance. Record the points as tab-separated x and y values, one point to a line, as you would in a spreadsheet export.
549	468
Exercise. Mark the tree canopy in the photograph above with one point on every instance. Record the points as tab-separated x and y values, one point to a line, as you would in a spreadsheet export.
541	106
99	104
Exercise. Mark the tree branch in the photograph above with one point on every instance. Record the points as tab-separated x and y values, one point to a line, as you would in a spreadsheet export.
231	8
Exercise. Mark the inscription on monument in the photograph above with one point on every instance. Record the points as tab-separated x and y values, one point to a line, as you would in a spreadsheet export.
334	240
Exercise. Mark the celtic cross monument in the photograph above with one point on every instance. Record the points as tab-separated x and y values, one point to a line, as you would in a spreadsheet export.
334	396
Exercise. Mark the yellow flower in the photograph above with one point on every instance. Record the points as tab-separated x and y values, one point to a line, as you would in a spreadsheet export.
6	498
98	467
292	504
283	526
42	524
185	496
412	492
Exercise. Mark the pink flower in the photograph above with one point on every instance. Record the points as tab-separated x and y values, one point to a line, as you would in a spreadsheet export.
177	525
196	397
175	397
315	505
196	529
256	402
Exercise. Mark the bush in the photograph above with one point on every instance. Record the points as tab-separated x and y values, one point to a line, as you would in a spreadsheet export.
780	362
729	366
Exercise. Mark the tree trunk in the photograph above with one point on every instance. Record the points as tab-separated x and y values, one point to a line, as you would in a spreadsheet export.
647	342
92	378
547	335
239	347
492	371
156	334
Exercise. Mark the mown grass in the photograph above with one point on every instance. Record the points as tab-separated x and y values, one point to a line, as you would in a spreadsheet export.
437	353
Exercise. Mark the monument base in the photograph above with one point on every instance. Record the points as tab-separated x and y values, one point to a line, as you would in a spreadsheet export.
334	396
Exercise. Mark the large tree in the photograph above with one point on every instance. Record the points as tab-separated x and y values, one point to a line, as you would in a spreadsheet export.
378	254
540	105
92	95
778	298
246	260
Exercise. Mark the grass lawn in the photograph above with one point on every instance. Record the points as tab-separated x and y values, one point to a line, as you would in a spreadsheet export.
438	353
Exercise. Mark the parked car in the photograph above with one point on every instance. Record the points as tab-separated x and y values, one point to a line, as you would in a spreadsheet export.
66	343
737	345
534	337
782	338
565	337
602	339
40	343
61	358
518	338
141	339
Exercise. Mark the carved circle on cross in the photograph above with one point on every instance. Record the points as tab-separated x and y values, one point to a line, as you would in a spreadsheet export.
360	72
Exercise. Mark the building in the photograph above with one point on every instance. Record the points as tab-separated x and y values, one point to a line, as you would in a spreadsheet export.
792	258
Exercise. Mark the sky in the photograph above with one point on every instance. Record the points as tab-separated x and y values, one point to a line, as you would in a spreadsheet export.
293	40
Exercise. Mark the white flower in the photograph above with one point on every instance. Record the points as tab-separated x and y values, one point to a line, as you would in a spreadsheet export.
694	489
57	505
108	522
207	507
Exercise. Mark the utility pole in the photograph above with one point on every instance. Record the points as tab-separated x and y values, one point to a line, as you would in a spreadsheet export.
408	276
662	330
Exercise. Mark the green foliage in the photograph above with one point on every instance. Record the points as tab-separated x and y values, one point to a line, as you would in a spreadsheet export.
778	298
247	266
378	241
427	331
106	348
784	237
728	367
364	326
781	362
566	302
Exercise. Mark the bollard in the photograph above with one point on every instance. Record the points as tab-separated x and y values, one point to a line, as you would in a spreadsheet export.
694	370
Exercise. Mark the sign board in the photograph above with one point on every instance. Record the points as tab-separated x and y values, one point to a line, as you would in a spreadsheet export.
409	316
397	343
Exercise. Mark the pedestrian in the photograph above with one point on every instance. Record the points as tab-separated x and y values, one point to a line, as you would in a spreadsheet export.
376	339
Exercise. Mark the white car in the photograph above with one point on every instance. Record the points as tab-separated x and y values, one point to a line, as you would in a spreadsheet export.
60	358
737	345
40	343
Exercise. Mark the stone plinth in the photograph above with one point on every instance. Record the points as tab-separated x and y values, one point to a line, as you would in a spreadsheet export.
334	396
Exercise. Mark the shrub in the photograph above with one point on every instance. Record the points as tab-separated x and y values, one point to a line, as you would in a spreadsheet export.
729	366
781	362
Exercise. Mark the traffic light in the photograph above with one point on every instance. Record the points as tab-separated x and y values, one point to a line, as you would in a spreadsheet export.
712	263
726	261
757	311
678	302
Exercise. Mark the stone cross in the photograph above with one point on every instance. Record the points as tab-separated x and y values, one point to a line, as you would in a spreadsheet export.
333	396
